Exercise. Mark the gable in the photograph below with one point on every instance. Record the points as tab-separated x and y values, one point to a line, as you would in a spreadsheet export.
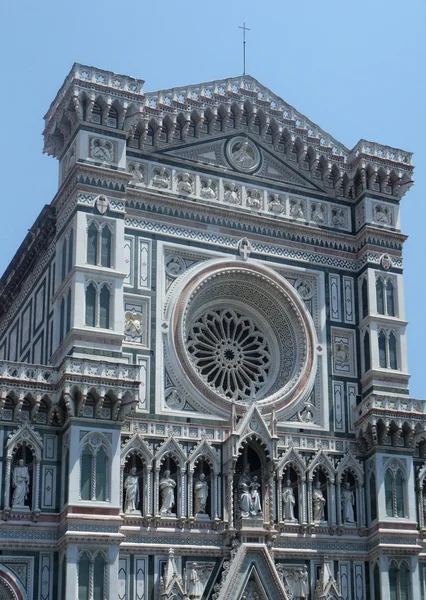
272	165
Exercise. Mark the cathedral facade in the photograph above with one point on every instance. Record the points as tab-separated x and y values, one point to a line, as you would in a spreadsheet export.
203	366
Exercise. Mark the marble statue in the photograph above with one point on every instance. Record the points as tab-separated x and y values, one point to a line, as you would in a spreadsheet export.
275	204
254	199
201	492
244	492
195	586
288	502
20	484
318	503
348	503
256	508
167	490
161	178
184	184
207	190
301	587
249	496
131	485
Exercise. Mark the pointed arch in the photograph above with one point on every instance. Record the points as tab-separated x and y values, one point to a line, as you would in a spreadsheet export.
349	463
204	450
136	445
293	459
172	448
321	460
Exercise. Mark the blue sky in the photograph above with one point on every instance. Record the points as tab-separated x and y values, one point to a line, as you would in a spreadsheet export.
355	68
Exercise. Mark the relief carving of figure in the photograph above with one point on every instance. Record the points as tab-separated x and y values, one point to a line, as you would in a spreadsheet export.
297	209
231	195
167	490
201	492
382	214
342	355
102	150
275	204
288	502
195	586
20	485
318	503
244	155
185	184
133	324
338	217
254	199
319	214
161	178
131	485
348	503
136	171
207	190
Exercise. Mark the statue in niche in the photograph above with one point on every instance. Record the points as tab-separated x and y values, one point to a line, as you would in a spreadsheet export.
161	178
20	485
201	492
195	586
207	190
167	490
348	503
185	184
301	587
249	496
256	508
318	503
288	502
131	485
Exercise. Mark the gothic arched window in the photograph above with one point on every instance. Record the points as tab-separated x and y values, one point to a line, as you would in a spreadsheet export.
70	249
364	298
382	350
92	245
395	492
112	120
96	114
104	306
83	577
150	136
373	500
390	299
393	362
106	247
367	353
68	313
98	577
91	305
62	320
94	471
376	583
380	296
399	581
64	259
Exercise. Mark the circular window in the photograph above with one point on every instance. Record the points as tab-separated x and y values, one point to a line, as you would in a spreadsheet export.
230	353
240	333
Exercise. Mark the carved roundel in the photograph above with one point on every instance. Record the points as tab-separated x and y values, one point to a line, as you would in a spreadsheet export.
240	333
243	154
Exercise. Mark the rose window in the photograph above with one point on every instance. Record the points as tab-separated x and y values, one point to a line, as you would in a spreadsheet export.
230	353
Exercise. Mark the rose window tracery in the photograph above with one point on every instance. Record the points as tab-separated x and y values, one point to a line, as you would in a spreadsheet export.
230	353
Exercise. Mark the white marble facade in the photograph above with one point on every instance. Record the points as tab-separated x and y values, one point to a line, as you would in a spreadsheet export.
204	378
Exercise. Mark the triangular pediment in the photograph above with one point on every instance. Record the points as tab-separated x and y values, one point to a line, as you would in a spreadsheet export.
213	153
252	568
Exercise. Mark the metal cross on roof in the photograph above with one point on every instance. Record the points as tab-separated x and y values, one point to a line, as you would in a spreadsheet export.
244	28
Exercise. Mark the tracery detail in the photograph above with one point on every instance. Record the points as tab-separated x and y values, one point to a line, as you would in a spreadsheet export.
230	353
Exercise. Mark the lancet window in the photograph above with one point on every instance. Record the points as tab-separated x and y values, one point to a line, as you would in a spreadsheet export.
399	581
395	491
67	253
95	470
65	312
364	298
366	351
112	119
388	358
98	305
385	297
91	576
96	114
99	244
